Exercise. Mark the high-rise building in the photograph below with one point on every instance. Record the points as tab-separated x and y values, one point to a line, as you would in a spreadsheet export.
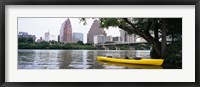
95	30
46	36
66	32
126	37
77	37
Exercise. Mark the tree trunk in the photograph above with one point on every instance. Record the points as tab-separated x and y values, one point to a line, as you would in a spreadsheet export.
156	34
164	42
172	37
153	54
156	53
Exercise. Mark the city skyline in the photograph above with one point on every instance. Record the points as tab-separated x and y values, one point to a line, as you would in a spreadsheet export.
38	26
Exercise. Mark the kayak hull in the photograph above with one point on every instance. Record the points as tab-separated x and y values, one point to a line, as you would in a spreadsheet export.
130	66
132	61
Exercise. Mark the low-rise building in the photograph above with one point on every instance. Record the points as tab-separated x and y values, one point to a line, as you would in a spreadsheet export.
117	39
26	35
100	39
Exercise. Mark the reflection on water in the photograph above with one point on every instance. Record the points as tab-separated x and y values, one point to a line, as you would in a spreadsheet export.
77	59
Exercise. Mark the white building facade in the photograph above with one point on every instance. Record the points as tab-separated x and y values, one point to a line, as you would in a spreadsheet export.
46	36
100	39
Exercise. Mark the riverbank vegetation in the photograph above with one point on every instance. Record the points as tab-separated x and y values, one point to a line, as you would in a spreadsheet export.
29	43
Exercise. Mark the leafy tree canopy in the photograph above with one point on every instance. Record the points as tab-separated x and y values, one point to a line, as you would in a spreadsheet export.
153	30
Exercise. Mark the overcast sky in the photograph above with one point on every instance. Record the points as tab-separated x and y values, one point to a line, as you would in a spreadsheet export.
38	26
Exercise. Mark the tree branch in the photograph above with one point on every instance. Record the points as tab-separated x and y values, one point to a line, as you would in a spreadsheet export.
149	23
128	29
131	24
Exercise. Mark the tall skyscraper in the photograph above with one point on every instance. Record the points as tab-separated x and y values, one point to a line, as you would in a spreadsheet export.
66	32
77	37
94	30
125	37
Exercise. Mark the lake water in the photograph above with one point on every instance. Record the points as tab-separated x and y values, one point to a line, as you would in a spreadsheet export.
78	59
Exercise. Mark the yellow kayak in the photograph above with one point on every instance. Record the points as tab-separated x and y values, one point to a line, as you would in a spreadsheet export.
135	66
132	61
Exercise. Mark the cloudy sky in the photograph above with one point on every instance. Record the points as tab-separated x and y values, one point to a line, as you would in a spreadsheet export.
38	26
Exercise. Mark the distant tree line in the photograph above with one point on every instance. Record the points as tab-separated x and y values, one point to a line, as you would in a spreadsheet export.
29	43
